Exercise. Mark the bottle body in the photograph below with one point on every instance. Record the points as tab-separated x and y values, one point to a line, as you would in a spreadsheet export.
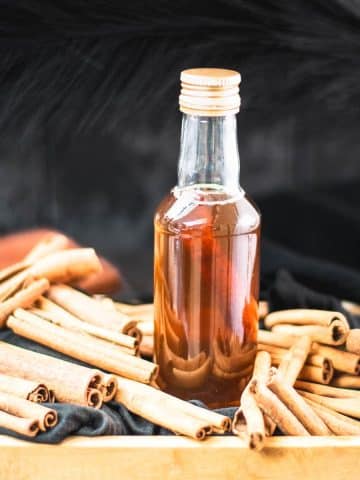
206	292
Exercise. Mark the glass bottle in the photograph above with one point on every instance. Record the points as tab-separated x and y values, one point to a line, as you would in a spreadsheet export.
206	264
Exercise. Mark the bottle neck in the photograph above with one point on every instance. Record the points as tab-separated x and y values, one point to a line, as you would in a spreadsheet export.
209	152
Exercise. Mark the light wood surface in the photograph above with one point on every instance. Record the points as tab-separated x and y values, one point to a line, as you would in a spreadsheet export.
175	458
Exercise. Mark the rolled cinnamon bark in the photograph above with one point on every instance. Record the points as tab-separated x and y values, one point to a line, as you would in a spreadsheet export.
146	328
95	397
263	309
277	354
249	420
302	316
71	383
351	307
82	347
337	423
25	426
326	390
138	310
52	312
130	329
169	412
146	346
51	243
297	405
88	309
297	356
12	270
26	389
277	339
66	265
343	361
46	417
276	410
322	375
353	341
12	284
24	298
108	387
346	381
334	334
347	406
143	315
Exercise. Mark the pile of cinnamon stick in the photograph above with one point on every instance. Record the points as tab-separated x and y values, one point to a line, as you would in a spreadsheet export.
306	379
300	369
37	302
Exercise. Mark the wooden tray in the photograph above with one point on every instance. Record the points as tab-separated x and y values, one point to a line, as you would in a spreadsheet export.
175	458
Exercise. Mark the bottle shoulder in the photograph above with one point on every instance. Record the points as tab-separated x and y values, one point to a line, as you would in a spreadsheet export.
193	210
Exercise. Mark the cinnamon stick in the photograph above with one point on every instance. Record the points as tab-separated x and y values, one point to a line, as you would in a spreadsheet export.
139	310
12	270
24	298
71	383
302	316
26	389
297	405
346	381
52	243
276	410
263	309
249	420
88	309
282	340
66	265
347	406
82	347
108	387
317	374
54	313
343	361
334	334
46	417
63	266
353	341
169	412
12	284
339	424
298	353
146	346
25	426
277	354
326	390
145	327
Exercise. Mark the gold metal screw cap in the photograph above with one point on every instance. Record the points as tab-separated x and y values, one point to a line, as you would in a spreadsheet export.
209	91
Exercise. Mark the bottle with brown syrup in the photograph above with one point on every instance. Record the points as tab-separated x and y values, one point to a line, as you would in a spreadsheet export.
207	240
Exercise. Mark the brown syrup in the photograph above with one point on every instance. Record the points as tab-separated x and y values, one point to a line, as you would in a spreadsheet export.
206	294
